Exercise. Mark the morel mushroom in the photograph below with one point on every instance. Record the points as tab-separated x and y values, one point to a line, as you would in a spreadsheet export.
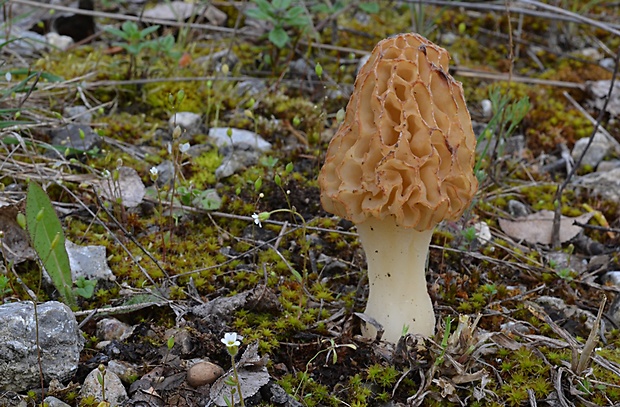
401	162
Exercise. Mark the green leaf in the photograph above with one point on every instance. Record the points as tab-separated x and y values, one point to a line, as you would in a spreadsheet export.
207	200
281	4
117	32
258	14
44	75
321	8
294	12
278	37
264	6
133	49
370	8
85	288
10	123
149	30
130	29
295	18
43	234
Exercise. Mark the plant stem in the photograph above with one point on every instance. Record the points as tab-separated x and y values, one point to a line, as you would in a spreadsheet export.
234	366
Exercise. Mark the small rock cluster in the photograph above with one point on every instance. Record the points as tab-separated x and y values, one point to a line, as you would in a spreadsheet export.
116	373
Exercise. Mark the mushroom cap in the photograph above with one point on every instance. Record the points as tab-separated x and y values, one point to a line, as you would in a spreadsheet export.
406	147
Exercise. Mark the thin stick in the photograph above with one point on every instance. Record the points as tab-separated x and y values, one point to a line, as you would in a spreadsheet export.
555	234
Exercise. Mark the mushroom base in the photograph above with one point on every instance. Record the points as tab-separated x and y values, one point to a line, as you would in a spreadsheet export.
398	296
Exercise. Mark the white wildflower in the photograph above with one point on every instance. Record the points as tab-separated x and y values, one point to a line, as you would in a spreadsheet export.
230	340
256	218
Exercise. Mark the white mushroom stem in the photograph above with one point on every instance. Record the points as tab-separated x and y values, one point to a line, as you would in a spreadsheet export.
398	297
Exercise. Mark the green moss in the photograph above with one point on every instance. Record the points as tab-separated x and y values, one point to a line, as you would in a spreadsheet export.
203	169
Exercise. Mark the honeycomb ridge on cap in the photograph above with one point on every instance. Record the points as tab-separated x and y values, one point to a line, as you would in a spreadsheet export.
406	146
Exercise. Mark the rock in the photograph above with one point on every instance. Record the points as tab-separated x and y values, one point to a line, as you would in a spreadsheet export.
51	401
238	137
517	209
77	136
487	108
331	266
219	58
12	399
242	148
611	278
483	233
57	41
603	184
147	397
301	68
449	38
599	148
165	173
89	262
203	373
608	63
111	329
218	312
115	392
590	53
180	10
578	319
183	340
78	113
25	43
250	87
128	187
274	393
190	123
608	165
562	260
215	16
236	159
598	93
124	370
60	343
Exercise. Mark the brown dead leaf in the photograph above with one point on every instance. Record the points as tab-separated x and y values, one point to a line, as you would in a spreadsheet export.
537	227
15	243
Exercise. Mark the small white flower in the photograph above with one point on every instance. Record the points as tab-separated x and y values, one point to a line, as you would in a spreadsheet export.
154	171
256	218
230	339
105	174
8	77
183	148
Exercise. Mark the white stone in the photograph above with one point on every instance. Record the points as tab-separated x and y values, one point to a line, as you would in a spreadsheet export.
603	184
61	42
115	392
599	148
238	137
